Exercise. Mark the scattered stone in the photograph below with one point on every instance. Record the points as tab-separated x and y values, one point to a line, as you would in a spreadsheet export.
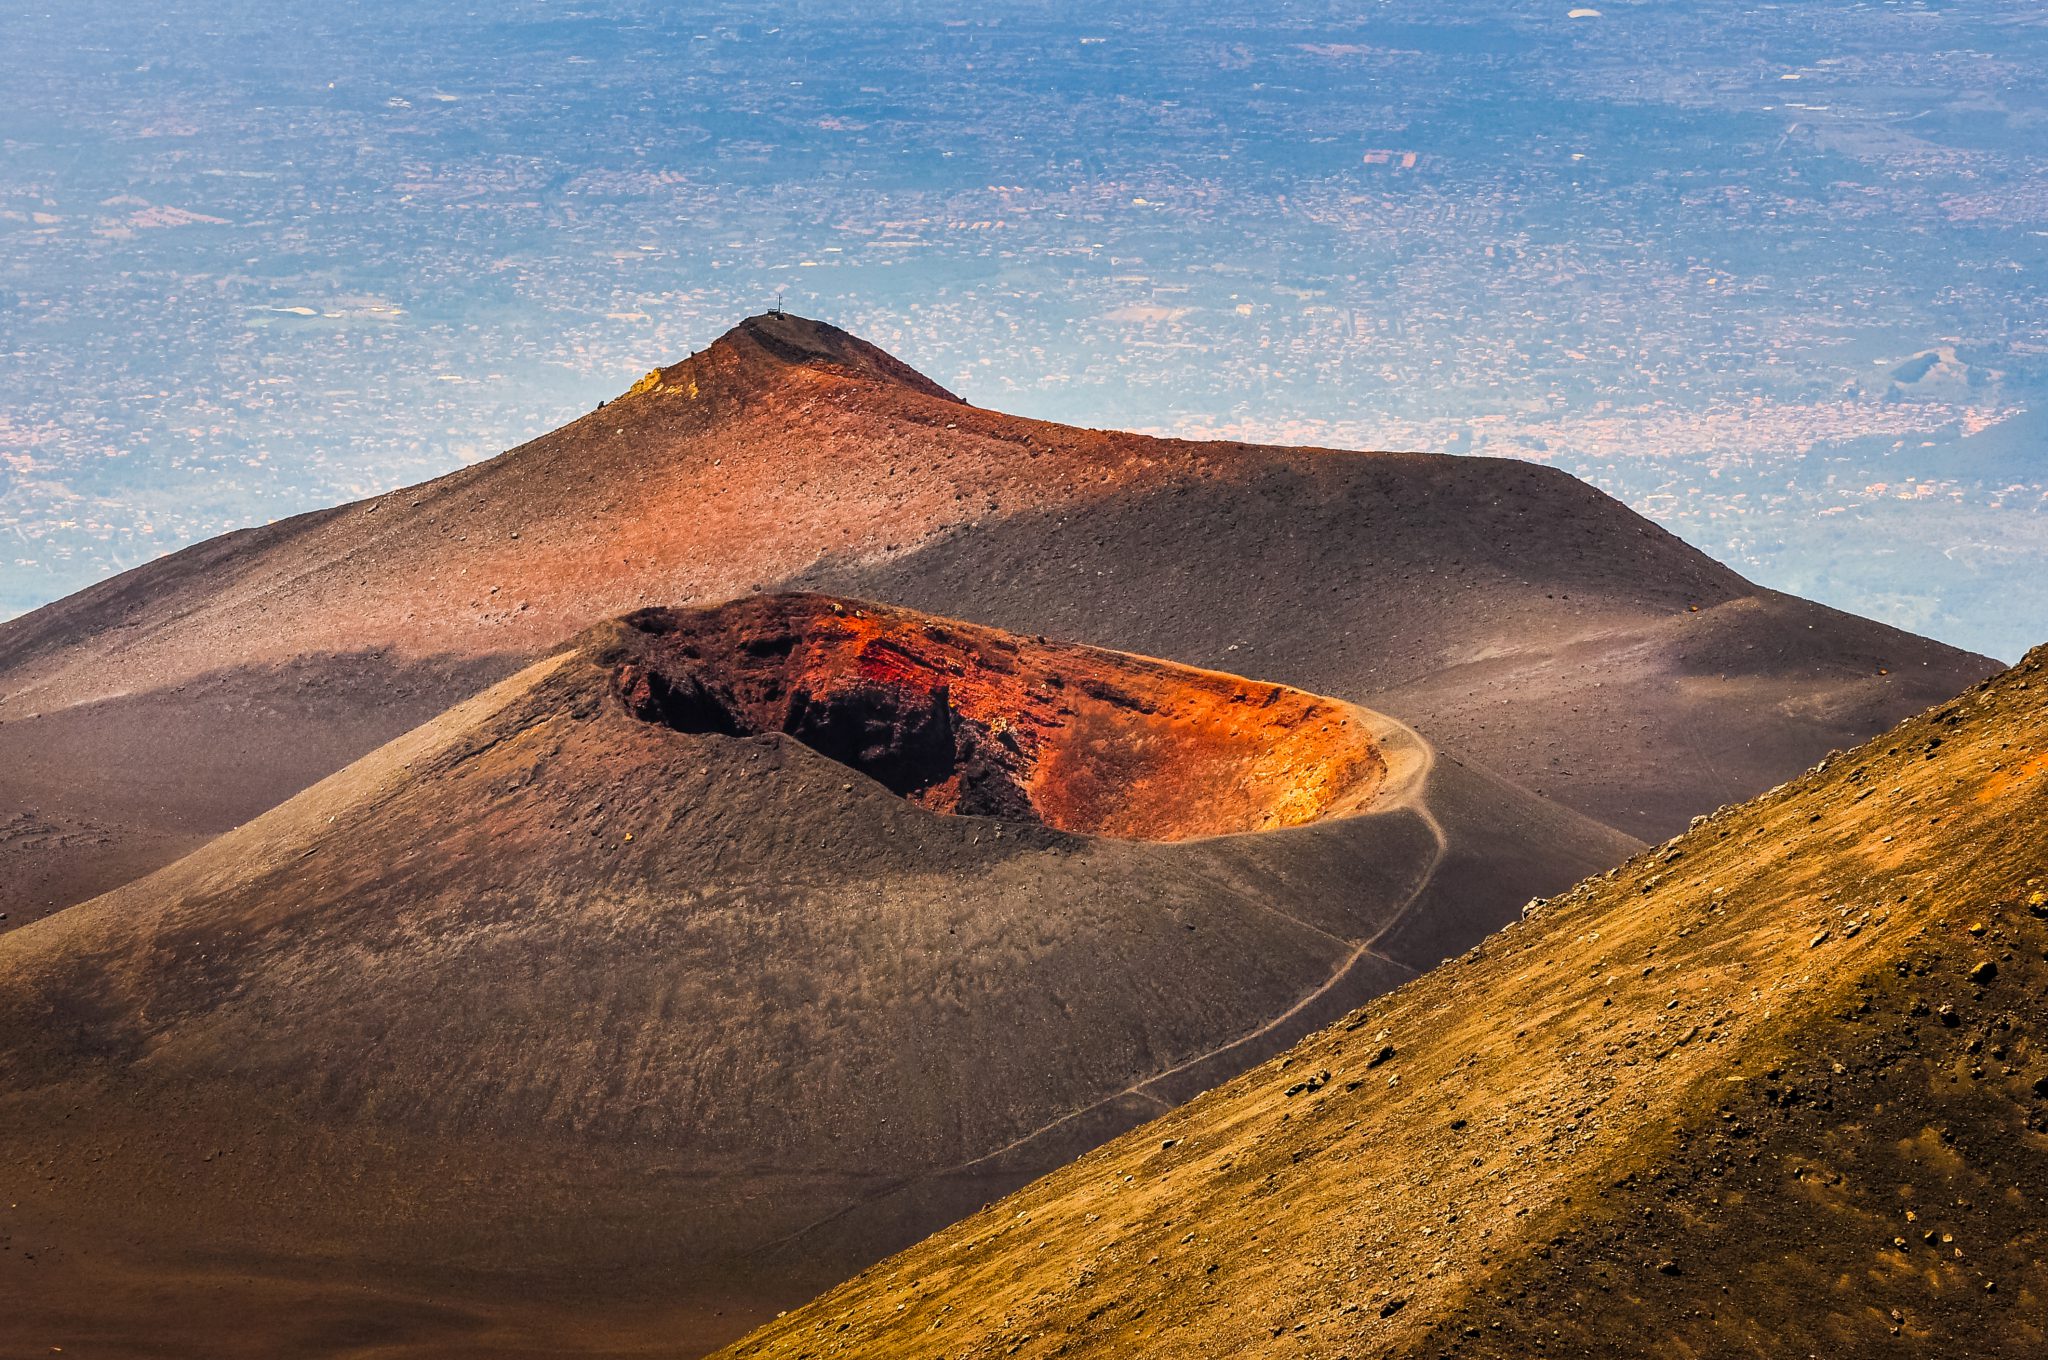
1385	1054
1667	1267
1392	1306
1984	972
1314	1083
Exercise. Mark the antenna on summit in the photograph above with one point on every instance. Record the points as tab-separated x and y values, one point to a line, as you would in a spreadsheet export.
778	302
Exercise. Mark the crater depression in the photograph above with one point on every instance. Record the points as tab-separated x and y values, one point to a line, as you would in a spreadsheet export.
969	720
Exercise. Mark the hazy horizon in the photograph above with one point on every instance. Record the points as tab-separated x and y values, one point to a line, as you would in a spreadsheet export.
1773	278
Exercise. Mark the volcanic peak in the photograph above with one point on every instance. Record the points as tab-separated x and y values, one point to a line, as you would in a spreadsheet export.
969	720
769	346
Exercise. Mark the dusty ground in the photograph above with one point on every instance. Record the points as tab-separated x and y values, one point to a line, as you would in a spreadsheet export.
1775	1088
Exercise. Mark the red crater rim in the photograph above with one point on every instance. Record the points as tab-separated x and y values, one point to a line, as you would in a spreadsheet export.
963	719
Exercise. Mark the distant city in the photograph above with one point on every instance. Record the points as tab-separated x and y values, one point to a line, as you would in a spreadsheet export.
1774	275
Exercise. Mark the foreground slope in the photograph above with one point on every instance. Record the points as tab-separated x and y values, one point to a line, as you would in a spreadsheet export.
681	974
1778	1087
1516	614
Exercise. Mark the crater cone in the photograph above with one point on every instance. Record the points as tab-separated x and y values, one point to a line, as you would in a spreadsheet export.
667	982
969	720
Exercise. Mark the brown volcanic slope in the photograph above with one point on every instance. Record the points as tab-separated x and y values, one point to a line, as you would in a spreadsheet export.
660	985
1776	1088
1519	615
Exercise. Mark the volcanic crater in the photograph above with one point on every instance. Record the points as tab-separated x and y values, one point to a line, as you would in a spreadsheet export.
973	721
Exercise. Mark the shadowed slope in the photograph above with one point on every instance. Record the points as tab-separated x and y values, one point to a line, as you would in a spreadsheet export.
556	1025
1773	1088
1580	654
1539	621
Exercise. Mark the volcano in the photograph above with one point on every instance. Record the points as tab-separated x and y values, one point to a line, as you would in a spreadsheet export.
1776	1087
1519	616
692	968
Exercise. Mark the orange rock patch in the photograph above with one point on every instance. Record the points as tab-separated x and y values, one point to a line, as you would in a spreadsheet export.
2008	782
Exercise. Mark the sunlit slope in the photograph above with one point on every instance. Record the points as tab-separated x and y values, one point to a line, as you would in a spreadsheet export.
1774	1088
675	977
1521	617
